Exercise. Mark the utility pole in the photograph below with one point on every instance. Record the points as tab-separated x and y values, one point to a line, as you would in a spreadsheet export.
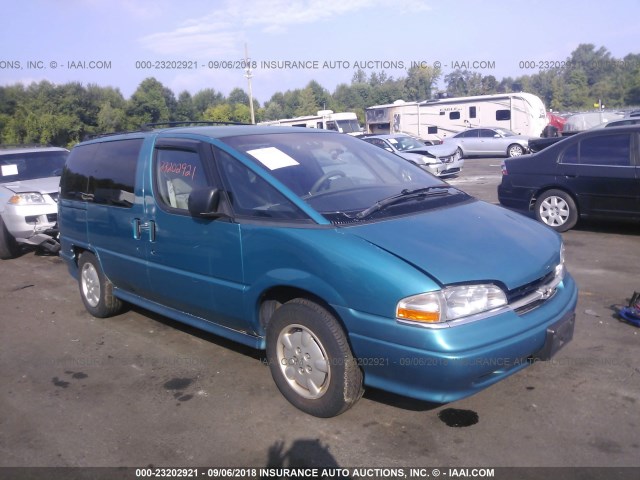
248	75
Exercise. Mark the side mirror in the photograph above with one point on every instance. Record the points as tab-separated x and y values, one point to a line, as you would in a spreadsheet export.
204	203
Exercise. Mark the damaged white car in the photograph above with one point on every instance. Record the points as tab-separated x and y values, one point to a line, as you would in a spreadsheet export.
29	183
439	160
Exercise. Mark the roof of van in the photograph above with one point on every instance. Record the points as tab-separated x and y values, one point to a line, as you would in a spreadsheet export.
210	131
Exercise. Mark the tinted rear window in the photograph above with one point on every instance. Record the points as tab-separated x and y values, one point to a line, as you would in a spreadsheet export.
102	173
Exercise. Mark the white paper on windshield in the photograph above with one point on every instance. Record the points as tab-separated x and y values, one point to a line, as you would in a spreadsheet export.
393	141
9	170
272	158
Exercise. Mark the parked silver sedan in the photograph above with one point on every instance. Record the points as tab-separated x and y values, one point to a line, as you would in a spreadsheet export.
490	142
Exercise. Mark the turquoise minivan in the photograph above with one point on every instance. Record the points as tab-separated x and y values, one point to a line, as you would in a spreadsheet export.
349	265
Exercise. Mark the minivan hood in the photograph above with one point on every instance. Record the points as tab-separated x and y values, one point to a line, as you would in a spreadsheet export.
470	242
40	185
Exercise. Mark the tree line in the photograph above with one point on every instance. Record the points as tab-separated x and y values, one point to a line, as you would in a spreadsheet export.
44	113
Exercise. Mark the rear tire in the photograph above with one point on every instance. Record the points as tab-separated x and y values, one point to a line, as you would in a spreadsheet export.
9	248
557	209
311	361
96	290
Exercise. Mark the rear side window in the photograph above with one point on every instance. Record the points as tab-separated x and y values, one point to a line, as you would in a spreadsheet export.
605	150
468	134
485	133
102	173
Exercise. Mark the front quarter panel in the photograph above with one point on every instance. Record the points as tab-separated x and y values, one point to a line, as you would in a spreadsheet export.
343	270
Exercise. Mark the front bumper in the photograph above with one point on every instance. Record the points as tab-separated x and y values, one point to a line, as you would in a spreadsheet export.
34	225
444	365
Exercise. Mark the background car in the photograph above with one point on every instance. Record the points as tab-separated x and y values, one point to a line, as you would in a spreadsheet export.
624	121
592	174
538	144
489	141
440	160
29	180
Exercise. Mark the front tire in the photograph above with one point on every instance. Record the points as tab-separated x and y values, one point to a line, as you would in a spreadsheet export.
9	248
515	150
311	361
96	290
557	209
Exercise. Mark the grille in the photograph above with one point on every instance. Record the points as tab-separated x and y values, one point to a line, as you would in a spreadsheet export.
521	292
532	295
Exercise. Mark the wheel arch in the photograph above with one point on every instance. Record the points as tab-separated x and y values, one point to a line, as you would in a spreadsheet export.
275	296
541	191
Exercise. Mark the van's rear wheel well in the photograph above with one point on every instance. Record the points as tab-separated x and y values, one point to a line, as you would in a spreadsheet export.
96	290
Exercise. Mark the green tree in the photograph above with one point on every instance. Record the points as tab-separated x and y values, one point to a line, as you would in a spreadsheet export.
359	76
420	82
111	119
185	108
219	113
204	99
148	104
308	104
238	95
578	90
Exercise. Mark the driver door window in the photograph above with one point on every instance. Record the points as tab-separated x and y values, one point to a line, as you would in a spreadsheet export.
250	195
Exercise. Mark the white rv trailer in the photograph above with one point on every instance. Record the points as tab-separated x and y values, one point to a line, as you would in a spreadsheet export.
432	120
346	122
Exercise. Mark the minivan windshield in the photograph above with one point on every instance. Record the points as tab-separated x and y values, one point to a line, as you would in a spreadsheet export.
334	173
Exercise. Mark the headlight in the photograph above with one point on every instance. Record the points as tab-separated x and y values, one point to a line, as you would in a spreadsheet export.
27	199
450	303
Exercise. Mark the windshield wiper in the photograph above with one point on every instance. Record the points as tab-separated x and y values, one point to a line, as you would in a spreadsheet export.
406	194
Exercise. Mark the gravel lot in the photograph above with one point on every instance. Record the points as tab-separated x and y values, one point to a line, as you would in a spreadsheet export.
139	389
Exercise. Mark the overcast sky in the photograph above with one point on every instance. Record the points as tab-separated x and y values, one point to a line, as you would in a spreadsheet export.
119	43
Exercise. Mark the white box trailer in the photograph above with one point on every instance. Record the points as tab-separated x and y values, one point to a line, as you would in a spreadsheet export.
345	122
432	120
